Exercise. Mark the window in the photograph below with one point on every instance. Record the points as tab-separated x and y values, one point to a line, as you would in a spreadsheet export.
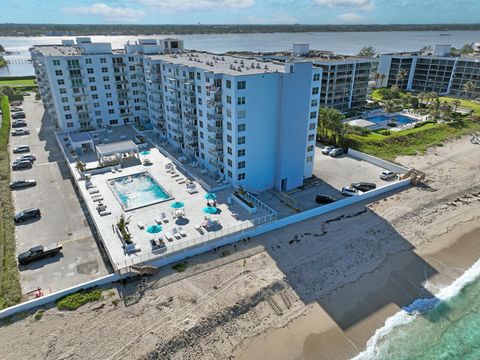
63	91
58	72
56	62
314	103
108	95
199	89
61	82
241	100
104	70
91	79
229	126
88	61
312	126
229	173
98	113
107	87
96	105
94	96
103	60
313	114
241	152
64	99
229	99
66	108
309	159
241	127
228	84
68	116
310	148
199	101
242	114
70	124
90	71
229	138
241	85
93	88
229	151
241	164
241	140
315	91
229	113
241	176
316	77
111	111
199	76
229	162
311	137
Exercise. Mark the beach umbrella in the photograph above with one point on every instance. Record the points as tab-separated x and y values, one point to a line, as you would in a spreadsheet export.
153	229
210	210
177	205
210	196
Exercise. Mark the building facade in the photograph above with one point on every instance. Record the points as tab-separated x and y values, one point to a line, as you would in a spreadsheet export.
437	72
250	121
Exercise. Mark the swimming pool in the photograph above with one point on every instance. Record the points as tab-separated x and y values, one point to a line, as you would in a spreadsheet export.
384	119
137	190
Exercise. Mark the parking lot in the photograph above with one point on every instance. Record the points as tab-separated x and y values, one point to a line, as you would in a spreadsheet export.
63	219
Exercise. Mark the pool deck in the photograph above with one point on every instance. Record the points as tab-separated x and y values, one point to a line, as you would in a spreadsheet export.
376	125
231	218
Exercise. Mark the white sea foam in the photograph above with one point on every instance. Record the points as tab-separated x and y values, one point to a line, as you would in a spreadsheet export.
403	318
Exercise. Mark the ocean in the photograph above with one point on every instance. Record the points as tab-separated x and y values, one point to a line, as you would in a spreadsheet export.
450	331
347	43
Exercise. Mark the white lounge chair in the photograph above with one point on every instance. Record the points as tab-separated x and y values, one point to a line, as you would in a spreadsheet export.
192	191
105	212
140	225
199	228
97	199
164	217
168	236
174	174
176	233
181	231
157	220
181	181
93	191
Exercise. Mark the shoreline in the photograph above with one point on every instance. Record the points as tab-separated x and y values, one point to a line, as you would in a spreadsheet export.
314	335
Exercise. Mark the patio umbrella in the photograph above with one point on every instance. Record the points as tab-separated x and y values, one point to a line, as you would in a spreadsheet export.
210	210
210	196
177	205
153	229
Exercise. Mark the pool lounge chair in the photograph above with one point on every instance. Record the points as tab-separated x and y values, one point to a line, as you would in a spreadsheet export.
140	225
176	233
168	236
164	217
181	181
104	212
192	191
95	199
93	191
181	231
199	228
157	220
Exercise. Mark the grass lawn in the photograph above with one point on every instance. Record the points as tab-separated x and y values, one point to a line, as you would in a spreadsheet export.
10	291
18	83
464	103
411	141
74	301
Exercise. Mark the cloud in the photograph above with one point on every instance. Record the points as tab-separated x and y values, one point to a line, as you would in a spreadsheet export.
275	19
360	4
351	18
108	13
182	5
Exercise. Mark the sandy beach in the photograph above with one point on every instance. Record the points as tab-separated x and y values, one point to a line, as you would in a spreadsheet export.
315	290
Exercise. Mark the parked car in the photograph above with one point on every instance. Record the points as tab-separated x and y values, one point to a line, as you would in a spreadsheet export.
349	191
29	157
24	164
21	149
18	184
19	124
18	115
16	103
27	214
387	175
327	149
38	252
21	131
363	186
324	199
16	109
337	152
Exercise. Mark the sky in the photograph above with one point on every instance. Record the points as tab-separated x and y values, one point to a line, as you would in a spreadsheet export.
240	11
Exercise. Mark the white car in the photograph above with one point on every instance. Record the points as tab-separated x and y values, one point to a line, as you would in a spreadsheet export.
350	191
387	175
21	131
326	150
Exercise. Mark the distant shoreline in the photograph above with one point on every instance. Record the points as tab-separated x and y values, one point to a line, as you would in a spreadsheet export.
29	30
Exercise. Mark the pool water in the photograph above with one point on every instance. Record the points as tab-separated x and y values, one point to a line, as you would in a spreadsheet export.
137	190
145	152
384	119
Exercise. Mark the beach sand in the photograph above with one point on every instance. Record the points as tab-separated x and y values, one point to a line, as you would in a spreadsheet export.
314	290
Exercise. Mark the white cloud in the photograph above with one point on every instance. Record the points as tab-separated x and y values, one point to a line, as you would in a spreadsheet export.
351	18
108	13
275	19
360	4
181	5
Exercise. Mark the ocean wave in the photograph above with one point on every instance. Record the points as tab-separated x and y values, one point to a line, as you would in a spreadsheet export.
403	317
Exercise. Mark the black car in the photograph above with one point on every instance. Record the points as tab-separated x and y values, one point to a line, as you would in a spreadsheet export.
21	149
24	164
18	184
27	214
364	186
38	252
324	199
18	115
19	124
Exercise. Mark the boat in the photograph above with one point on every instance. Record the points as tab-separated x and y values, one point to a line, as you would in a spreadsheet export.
445	34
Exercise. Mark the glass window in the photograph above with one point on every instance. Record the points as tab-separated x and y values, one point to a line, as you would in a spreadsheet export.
241	100
241	140
241	85
241	152
241	176
228	84
241	127
241	164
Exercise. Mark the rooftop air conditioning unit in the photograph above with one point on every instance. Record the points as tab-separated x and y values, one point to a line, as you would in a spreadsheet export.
239	68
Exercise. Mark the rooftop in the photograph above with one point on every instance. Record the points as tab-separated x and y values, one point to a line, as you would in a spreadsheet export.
58	50
117	147
220	63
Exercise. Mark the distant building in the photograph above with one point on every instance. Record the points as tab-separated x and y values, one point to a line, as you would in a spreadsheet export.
251	121
439	71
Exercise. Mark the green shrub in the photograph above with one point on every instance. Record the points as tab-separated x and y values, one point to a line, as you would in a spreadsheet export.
38	315
180	267
74	301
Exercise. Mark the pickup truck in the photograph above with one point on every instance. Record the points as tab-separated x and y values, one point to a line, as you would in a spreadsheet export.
38	252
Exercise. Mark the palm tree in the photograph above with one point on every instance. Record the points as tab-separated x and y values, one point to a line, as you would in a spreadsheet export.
331	125
401	75
468	89
446	109
455	104
367	51
377	76
389	106
421	98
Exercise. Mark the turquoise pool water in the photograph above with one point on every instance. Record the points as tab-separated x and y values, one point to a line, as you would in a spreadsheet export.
138	190
145	152
384	119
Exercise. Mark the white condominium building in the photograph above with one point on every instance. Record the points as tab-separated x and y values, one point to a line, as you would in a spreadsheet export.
251	121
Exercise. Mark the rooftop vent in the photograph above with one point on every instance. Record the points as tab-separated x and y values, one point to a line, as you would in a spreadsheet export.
239	68
235	61
223	58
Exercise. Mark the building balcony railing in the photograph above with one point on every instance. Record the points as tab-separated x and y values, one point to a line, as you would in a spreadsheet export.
218	142
214	129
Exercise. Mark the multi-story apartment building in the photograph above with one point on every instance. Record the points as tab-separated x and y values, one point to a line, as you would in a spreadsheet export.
438	72
251	121
345	79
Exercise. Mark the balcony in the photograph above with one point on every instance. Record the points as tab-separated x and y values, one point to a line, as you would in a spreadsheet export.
217	141
214	129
